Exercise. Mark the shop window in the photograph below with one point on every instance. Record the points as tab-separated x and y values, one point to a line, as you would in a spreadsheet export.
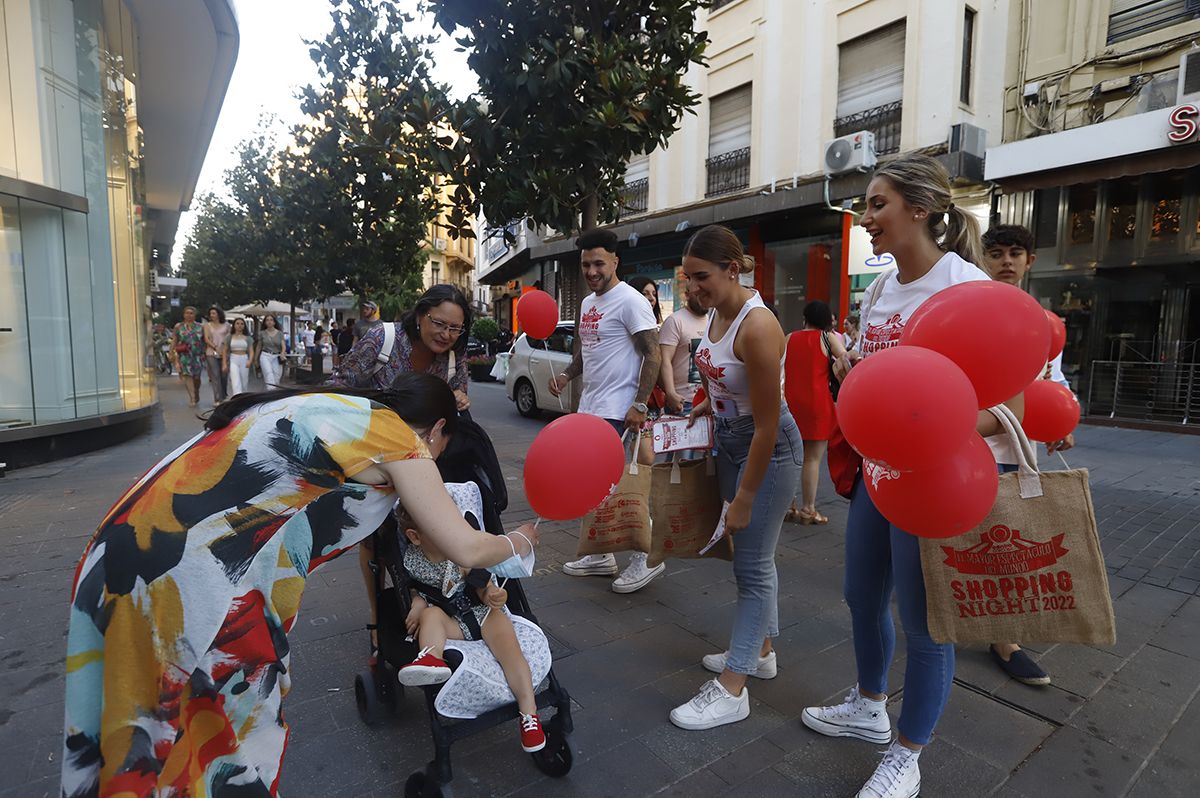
1122	209
1045	226
1166	205
1081	215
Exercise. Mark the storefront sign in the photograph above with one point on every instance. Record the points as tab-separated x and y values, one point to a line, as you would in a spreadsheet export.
1185	123
863	259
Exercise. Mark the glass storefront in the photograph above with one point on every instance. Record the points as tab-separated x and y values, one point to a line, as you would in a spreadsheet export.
74	285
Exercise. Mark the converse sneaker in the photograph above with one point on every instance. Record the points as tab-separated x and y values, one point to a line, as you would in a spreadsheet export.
712	706
857	716
426	669
592	565
897	775
532	736
637	574
766	665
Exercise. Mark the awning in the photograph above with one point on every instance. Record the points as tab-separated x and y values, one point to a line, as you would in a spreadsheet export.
1135	144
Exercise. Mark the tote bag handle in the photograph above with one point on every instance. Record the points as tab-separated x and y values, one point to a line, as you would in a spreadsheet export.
1028	477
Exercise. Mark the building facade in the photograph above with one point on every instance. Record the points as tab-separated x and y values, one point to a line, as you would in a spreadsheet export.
783	80
1101	159
106	110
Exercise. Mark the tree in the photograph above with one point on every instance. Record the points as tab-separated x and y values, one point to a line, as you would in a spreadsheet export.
568	92
365	160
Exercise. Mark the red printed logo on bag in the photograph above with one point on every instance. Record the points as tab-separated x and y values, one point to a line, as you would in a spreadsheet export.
1002	551
1015	589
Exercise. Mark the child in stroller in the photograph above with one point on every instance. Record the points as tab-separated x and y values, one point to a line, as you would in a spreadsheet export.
449	602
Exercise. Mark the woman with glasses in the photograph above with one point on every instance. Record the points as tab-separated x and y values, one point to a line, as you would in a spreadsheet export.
431	339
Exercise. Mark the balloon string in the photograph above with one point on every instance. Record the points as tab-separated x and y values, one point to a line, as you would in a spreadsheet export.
554	376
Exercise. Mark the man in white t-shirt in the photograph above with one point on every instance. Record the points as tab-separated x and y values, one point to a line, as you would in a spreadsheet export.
677	341
616	353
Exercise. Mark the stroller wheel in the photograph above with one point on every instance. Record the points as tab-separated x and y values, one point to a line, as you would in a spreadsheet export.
371	705
419	785
555	759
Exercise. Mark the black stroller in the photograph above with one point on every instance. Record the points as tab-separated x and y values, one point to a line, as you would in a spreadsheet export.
469	458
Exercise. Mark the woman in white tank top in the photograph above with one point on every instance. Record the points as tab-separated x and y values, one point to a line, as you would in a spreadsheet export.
759	453
237	358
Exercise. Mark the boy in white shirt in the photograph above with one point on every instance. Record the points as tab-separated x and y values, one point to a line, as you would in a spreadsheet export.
616	353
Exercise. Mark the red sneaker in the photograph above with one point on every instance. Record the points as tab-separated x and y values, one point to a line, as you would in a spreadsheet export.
532	736
426	669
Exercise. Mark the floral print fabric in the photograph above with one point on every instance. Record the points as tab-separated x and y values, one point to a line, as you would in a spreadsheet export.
177	651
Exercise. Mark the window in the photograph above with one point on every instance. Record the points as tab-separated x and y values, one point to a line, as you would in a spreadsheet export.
728	163
968	56
1122	209
1045	228
635	198
1081	214
871	86
1130	18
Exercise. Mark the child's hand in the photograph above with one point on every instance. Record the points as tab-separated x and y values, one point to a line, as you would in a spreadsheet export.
413	620
495	596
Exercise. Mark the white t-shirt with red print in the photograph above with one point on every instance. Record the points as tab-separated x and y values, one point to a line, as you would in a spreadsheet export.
887	307
611	364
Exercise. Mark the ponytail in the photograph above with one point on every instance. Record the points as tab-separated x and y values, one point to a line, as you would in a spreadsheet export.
962	235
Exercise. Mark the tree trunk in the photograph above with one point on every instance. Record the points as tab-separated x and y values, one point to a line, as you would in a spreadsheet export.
590	213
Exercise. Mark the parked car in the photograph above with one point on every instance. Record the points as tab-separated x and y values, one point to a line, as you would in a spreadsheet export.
530	367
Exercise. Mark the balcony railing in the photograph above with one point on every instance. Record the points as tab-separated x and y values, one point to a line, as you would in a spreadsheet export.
728	173
635	197
883	121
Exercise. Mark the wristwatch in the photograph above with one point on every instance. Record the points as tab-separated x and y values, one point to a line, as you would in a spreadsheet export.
641	407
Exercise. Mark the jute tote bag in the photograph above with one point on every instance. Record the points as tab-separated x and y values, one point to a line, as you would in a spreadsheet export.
685	506
622	521
1032	571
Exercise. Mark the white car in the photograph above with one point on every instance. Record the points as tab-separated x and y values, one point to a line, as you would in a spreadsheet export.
532	363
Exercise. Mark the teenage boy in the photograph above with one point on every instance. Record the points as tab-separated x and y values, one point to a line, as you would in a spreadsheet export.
1008	250
616	353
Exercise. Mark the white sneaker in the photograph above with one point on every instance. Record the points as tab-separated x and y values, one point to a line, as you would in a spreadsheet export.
766	665
637	574
897	775
857	716
592	565
712	706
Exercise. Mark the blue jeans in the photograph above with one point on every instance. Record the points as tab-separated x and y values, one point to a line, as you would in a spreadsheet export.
757	615
879	557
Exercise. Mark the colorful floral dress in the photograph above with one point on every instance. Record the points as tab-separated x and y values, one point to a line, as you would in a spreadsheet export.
191	362
177	653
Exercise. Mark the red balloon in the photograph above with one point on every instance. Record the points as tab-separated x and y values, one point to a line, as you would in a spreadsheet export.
538	313
996	333
939	502
572	465
1051	411
907	407
1058	335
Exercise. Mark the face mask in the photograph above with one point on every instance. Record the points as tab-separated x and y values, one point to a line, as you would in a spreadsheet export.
517	566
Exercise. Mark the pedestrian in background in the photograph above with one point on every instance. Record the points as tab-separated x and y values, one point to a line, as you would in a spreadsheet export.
187	353
345	340
807	372
268	352
678	338
236	358
936	245
368	313
851	333
758	463
648	289
216	330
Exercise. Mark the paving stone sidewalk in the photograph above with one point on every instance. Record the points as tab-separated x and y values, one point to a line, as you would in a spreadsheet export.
1117	721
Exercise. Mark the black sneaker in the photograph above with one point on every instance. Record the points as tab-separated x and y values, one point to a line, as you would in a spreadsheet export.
1020	667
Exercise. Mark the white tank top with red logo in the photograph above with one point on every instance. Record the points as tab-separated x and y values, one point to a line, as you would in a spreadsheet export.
726	375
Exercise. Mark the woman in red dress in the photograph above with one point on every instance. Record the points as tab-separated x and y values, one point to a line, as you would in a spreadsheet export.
806	378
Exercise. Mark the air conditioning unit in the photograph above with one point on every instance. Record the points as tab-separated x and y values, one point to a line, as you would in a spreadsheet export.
439	244
852	153
1189	76
969	139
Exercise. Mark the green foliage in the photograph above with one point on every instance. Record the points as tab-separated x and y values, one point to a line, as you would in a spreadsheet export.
568	93
485	329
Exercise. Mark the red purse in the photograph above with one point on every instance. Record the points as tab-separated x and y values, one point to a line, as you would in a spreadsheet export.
844	463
